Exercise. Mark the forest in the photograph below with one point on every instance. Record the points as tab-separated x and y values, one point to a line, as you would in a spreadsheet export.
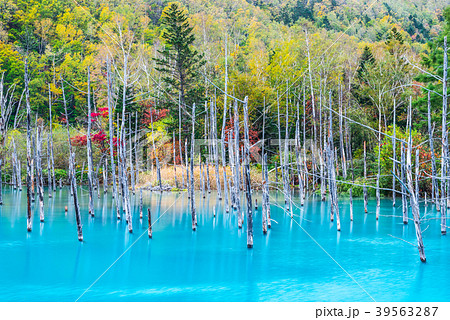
337	97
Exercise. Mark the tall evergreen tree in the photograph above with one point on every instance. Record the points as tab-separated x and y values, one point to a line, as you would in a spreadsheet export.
179	61
367	59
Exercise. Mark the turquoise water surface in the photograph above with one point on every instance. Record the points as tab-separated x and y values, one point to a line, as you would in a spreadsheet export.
300	259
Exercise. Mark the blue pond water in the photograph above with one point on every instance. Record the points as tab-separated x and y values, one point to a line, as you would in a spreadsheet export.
304	259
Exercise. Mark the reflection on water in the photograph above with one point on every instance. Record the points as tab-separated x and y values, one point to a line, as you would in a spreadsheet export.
213	263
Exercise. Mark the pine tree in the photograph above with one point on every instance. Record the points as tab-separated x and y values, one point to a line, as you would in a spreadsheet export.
179	62
367	59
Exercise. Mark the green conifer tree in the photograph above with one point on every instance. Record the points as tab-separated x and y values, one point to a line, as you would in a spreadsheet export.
179	61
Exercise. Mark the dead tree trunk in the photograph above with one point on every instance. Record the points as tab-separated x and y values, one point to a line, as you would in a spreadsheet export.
284	167
394	157
105	177
350	157
202	179
322	149
111	136
402	171
89	148
208	183
224	162
414	202
140	203
341	136
49	174
29	157
313	109
136	148
158	167
73	181
73	185
298	161
149	214
40	186
248	188
269	222
264	199
332	170
52	158
180	145
33	146
174	163
417	175
19	174
379	163
280	150
191	188
132	174
188	183
444	154
434	188
125	189
236	165
214	145
14	165
365	178
305	165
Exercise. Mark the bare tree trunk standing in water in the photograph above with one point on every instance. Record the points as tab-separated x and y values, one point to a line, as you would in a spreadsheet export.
111	136
434	188
215	151
158	167
332	171
89	146
305	165
191	188
403	189
49	169
236	166
180	144
52	182
365	178
40	186
349	157
136	157
444	154
394	157
341	135
224	162
149	213
132	174
412	195
29	157
187	167
202	178
285	167
140	203
174	162
379	165
248	188
124	182
313	109
73	181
